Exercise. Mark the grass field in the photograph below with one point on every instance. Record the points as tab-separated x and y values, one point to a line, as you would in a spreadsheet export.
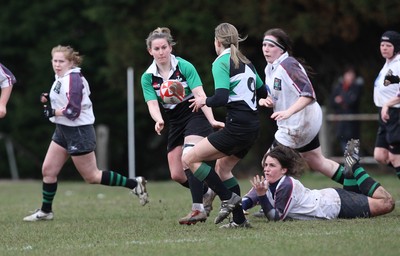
99	220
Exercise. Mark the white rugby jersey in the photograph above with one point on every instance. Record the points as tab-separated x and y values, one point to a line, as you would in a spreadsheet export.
71	94
6	77
383	94
286	81
292	200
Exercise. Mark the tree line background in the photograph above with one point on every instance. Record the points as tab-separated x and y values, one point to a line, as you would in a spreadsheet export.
111	34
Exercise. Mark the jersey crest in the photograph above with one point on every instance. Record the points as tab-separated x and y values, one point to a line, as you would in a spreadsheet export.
277	84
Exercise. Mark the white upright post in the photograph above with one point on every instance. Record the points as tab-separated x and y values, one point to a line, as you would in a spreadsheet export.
131	124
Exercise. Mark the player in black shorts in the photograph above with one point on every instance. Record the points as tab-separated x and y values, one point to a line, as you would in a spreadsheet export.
186	128
237	87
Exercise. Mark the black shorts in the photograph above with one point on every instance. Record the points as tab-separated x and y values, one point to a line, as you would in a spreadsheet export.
77	140
388	135
353	205
194	124
310	146
233	143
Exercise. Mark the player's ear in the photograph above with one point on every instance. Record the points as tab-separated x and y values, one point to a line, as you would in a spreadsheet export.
149	51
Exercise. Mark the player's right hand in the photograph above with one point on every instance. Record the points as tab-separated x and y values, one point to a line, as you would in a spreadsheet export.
44	97
391	79
159	126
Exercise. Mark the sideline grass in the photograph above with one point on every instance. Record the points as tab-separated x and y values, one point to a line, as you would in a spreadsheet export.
99	220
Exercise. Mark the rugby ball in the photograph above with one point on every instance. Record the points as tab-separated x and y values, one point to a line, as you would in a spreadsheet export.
172	92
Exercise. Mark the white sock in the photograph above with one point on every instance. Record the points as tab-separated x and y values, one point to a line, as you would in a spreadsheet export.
197	206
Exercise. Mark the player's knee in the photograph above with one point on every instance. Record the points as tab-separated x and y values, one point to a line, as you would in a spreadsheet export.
179	178
389	204
91	178
381	158
185	156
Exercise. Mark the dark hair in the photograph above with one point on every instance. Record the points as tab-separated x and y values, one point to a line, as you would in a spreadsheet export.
284	40
282	37
288	158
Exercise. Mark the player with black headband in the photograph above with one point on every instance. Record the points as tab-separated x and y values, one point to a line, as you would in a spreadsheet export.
387	99
296	110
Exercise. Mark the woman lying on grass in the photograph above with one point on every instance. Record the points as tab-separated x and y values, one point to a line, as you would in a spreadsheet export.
283	197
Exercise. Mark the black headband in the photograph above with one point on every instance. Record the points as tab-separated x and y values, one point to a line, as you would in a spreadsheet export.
275	43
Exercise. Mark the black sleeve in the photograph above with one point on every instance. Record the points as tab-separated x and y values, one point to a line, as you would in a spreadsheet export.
219	99
262	92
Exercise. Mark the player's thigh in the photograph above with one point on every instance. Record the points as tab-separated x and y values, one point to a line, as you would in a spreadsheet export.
225	165
56	157
204	151
394	159
193	139
318	162
175	164
87	167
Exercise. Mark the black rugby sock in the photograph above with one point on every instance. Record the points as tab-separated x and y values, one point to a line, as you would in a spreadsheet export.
366	184
238	215
110	178
196	187
48	192
338	176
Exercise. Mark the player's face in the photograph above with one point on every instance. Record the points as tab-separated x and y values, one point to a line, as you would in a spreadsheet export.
387	50
273	170
161	51
60	64
270	50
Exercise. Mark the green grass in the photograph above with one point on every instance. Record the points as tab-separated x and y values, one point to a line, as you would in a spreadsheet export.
99	220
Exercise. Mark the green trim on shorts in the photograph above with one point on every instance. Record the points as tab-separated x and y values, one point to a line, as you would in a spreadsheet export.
230	183
202	172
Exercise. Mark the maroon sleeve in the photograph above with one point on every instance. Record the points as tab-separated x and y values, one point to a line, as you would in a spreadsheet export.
73	108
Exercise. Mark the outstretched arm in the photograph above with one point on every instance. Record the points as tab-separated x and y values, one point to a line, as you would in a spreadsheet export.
260	185
300	104
200	94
